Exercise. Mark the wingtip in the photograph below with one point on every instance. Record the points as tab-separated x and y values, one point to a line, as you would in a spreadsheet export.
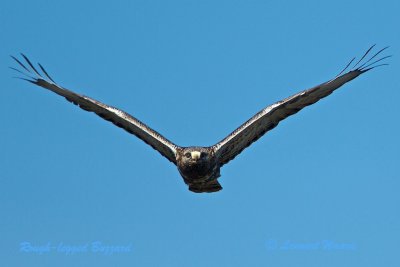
374	67
25	79
364	64
46	73
371	65
32	70
30	64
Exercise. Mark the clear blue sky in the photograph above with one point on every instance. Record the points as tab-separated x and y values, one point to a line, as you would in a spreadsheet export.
194	71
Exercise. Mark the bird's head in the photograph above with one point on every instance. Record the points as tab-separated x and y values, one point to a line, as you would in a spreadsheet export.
195	155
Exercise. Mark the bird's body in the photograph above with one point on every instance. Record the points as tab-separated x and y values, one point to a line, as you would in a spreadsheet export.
200	166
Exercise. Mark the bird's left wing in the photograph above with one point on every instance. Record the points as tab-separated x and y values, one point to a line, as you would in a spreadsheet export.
114	115
269	118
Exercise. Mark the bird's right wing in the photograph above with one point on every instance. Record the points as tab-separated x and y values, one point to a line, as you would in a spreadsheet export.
114	115
268	118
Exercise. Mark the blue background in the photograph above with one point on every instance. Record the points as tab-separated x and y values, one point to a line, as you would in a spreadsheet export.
194	71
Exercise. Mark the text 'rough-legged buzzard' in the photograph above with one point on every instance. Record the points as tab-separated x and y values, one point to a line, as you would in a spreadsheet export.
200	166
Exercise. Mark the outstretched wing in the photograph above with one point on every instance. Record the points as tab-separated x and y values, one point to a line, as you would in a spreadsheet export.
114	115
269	117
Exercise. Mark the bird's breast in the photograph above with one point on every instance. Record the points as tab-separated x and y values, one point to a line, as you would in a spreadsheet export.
200	170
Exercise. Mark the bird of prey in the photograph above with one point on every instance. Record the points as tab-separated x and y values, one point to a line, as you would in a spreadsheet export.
200	166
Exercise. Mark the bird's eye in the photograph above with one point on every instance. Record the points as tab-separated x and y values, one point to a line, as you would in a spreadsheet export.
188	155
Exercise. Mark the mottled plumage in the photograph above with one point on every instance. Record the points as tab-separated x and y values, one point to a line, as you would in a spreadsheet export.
200	166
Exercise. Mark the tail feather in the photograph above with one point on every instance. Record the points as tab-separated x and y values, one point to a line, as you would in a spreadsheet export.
212	186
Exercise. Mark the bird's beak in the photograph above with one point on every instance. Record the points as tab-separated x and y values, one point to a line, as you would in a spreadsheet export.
195	155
